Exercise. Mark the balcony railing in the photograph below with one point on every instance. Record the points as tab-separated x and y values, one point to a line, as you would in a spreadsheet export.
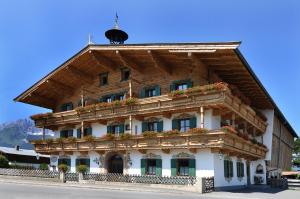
220	141
158	105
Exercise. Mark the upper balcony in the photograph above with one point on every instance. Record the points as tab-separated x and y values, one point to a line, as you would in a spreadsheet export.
215	96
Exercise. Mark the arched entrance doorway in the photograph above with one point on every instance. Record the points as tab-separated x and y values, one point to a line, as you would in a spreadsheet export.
115	164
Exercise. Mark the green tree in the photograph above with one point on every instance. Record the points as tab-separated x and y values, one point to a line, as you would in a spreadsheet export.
3	162
297	146
44	166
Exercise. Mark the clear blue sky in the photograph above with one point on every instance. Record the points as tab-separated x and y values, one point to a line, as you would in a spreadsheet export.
36	36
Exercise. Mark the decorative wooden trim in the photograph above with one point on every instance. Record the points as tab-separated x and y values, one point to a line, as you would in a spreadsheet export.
167	151
143	151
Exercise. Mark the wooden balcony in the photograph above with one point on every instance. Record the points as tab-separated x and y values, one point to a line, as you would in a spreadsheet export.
221	100
218	141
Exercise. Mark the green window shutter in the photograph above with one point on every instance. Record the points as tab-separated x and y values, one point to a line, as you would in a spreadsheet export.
62	134
238	169
68	162
87	163
189	83
226	169
63	107
89	131
143	93
101	99
193	122
192	167
121	126
173	87
59	162
242	170
173	167
175	124
109	129
78	133
158	165
113	97
143	166
231	168
160	126
70	133
77	162
144	126
157	90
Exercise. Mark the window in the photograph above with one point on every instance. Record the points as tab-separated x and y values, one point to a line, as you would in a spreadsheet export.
150	92
86	132
103	79
184	125
119	97
107	99
183	167
67	106
125	74
228	168
116	129
127	127
65	161
66	133
259	169
150	166
152	126
240	169
182	86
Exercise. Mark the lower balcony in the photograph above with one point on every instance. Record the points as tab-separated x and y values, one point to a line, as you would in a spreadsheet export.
219	141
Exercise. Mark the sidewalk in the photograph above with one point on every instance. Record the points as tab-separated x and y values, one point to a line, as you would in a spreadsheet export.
158	188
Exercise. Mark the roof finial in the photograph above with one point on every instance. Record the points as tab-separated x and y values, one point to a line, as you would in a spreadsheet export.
90	37
116	21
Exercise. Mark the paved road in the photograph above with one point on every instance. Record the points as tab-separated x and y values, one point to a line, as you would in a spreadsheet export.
24	191
17	190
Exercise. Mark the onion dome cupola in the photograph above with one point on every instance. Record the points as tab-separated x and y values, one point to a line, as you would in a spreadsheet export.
116	35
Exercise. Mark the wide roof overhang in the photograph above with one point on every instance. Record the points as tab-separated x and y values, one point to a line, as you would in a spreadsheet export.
223	58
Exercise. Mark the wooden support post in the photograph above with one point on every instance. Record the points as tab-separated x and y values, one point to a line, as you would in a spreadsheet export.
82	98
130	124
233	120
43	133
130	88
82	129
201	117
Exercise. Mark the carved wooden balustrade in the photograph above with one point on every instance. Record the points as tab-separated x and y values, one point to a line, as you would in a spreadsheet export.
160	105
218	141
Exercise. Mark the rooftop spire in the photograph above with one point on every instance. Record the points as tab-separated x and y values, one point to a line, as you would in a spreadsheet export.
116	35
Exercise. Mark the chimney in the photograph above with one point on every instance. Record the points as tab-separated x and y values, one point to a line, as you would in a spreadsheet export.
17	147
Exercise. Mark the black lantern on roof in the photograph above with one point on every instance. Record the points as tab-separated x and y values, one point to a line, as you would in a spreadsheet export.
116	35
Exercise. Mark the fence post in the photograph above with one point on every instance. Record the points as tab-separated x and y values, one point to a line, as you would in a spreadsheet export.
80	177
62	176
199	185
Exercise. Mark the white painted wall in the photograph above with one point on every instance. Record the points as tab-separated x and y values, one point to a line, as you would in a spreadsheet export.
253	173
210	121
267	137
220	180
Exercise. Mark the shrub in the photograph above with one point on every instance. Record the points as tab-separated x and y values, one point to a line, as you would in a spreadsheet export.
82	168
60	140
171	133
229	129
130	101
49	140
3	162
254	141
125	136
44	166
63	167
117	103
108	136
71	139
149	134
89	138
177	93
197	130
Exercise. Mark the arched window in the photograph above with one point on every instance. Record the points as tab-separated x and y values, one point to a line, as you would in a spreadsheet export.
259	169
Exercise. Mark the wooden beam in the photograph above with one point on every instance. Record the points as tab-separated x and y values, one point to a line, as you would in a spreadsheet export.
159	63
128	62
82	76
102	61
49	101
61	86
